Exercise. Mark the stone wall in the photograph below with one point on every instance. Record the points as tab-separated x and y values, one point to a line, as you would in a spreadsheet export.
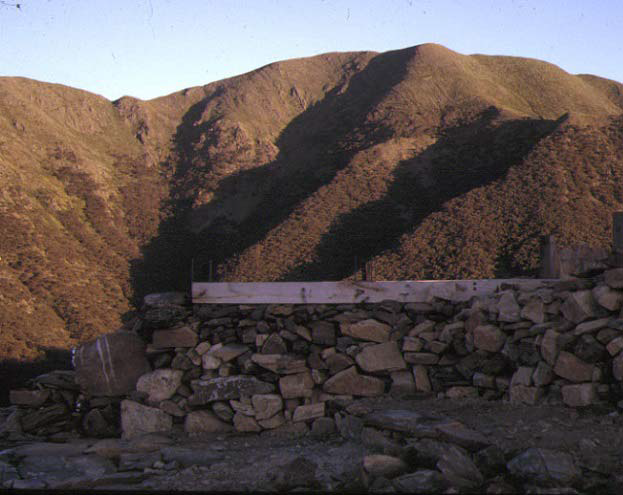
295	367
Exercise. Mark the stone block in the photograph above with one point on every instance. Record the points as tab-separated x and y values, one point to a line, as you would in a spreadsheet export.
204	421
297	385
572	368
226	388
608	298
350	382
550	347
489	338
371	330
323	333
381	357
580	395
273	422
174	337
137	419
521	394
310	411
615	346
337	362
422	381
29	398
266	405
160	384
591	326
412	344
579	306
245	423
377	465
425	358
402	383
508	308
461	392
534	311
614	278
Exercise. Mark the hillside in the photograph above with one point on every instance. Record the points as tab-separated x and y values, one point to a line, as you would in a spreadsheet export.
429	163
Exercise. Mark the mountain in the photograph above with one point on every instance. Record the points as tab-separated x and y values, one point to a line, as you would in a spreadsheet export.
423	161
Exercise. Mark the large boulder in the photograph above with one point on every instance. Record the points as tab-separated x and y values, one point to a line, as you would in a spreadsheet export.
111	364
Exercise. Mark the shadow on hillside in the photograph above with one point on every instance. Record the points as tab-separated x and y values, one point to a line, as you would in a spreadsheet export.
328	133
464	158
14	373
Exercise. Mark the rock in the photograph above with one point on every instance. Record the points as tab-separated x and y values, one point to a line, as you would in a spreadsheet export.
280	363
29	398
543	374
323	427
459	470
137	419
210	362
534	311
266	405
165	316
521	394
111	364
349	426
614	346
420	481
572	368
243	422
95	425
550	347
274	422
166	299
61	379
414	423
337	362
508	309
242	407
7	473
523	376
298	385
204	421
489	338
614	278
129	461
426	326
610	299
223	411
37	418
371	330
228	352
299	473
423	358
383	465
461	392
172	408
412	344
617	367
490	460
274	344
579	306
544	466
483	380
160	384
323	333
182	362
226	388
591	326
380	357
310	411
457	433
580	395
174	337
187	456
54	469
402	383
350	382
422	381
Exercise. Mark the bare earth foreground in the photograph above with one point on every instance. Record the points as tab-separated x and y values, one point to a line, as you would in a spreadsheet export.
381	445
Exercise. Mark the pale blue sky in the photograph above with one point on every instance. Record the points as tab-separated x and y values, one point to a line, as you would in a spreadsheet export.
149	48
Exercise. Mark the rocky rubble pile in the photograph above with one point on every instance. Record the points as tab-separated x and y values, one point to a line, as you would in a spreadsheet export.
250	368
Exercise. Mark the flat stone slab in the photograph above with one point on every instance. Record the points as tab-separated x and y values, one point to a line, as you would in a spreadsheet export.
415	423
227	388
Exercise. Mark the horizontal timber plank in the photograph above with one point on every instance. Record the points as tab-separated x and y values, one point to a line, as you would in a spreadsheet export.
349	291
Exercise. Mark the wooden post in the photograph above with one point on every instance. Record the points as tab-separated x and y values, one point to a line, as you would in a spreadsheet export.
617	232
550	259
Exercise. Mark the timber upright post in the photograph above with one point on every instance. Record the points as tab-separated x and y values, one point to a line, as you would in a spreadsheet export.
617	238
550	259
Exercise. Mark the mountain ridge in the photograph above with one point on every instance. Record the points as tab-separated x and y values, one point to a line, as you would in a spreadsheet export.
426	162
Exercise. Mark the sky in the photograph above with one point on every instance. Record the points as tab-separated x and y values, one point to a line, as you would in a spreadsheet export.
150	48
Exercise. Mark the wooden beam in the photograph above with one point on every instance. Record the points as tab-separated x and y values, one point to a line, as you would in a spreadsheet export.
349	291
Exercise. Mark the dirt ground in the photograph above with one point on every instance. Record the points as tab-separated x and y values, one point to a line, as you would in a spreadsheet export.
283	462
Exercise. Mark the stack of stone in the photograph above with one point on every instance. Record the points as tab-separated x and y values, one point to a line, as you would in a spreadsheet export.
46	408
266	367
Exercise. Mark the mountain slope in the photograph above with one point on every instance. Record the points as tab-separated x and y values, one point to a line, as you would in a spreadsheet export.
429	163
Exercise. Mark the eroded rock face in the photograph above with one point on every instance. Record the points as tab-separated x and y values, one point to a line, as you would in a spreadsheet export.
111	364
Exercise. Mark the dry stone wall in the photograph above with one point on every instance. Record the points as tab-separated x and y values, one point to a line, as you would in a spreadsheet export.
253	368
